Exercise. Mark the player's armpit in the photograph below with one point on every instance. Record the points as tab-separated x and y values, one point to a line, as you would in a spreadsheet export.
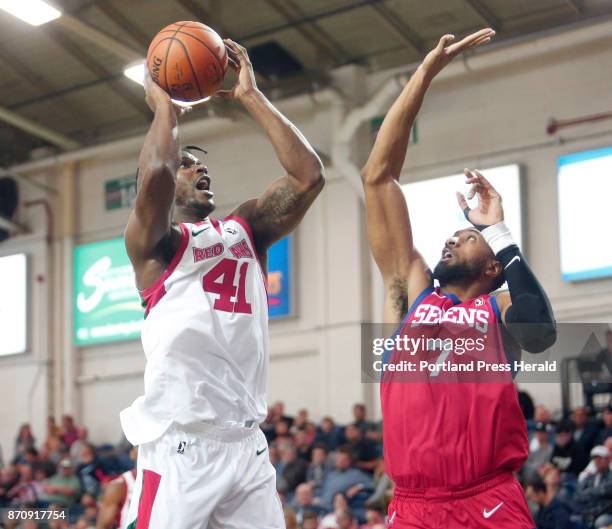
404	271
280	209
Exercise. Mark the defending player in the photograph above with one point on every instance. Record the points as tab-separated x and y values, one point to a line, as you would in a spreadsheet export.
202	459
451	445
115	502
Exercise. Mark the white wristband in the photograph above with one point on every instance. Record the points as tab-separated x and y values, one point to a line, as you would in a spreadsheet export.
498	237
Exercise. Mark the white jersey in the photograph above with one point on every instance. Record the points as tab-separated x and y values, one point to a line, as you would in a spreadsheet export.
205	335
129	478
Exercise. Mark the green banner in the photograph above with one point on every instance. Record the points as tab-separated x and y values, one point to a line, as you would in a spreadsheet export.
106	303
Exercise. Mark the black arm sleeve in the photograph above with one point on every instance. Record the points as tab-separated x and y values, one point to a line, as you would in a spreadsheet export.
530	319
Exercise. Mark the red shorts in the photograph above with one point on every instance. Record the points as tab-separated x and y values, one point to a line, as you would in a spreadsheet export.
496	503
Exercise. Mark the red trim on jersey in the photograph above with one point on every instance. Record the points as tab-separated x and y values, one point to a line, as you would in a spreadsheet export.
150	484
215	223
247	228
157	290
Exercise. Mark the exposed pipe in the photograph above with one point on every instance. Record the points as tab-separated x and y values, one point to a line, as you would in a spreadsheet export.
555	124
48	212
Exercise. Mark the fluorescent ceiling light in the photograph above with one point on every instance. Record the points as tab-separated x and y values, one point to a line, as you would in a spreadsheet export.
135	72
34	12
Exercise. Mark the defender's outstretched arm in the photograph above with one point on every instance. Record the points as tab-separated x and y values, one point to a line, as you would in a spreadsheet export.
150	220
282	206
404	271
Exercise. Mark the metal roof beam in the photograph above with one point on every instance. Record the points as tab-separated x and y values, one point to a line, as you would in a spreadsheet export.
312	32
134	32
98	38
74	50
41	86
36	129
485	14
203	15
401	29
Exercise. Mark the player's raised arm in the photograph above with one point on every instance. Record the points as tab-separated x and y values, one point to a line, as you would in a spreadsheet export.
525	307
282	206
404	271
150	220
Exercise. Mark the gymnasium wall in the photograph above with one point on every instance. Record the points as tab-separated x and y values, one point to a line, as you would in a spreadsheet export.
483	115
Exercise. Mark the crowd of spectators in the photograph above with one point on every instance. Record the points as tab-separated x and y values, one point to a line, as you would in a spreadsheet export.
329	476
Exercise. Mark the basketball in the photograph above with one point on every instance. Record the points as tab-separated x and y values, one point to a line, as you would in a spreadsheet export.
188	60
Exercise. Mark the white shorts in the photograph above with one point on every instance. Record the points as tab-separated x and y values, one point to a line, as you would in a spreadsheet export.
206	477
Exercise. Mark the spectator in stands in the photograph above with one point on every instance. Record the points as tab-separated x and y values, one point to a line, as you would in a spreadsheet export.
382	493
526	404
54	449
300	421
345	478
303	445
310	520
64	487
9	476
304	501
585	431
364	450
568	456
594	495
345	519
278	413
52	427
318	467
550	512
24	441
591	467
69	431
607	428
541	455
281	431
329	434
541	414
26	490
371	430
81	440
293	469
556	487
340	501
374	517
89	471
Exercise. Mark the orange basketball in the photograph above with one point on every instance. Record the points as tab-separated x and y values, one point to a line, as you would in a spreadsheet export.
188	60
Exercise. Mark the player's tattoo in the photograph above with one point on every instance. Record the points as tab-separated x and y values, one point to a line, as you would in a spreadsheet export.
276	206
399	296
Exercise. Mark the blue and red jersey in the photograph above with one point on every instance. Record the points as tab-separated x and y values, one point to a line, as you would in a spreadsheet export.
451	428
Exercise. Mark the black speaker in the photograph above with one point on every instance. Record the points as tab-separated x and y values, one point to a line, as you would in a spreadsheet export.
9	199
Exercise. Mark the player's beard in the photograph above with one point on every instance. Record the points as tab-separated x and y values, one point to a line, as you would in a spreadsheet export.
195	208
457	274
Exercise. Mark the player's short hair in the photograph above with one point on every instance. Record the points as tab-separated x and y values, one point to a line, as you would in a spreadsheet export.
188	148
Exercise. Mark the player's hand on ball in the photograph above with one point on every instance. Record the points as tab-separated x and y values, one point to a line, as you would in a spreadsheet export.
446	51
489	210
239	61
154	95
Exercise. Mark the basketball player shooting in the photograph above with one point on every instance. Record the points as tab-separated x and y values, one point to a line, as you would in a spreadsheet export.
451	447
202	460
